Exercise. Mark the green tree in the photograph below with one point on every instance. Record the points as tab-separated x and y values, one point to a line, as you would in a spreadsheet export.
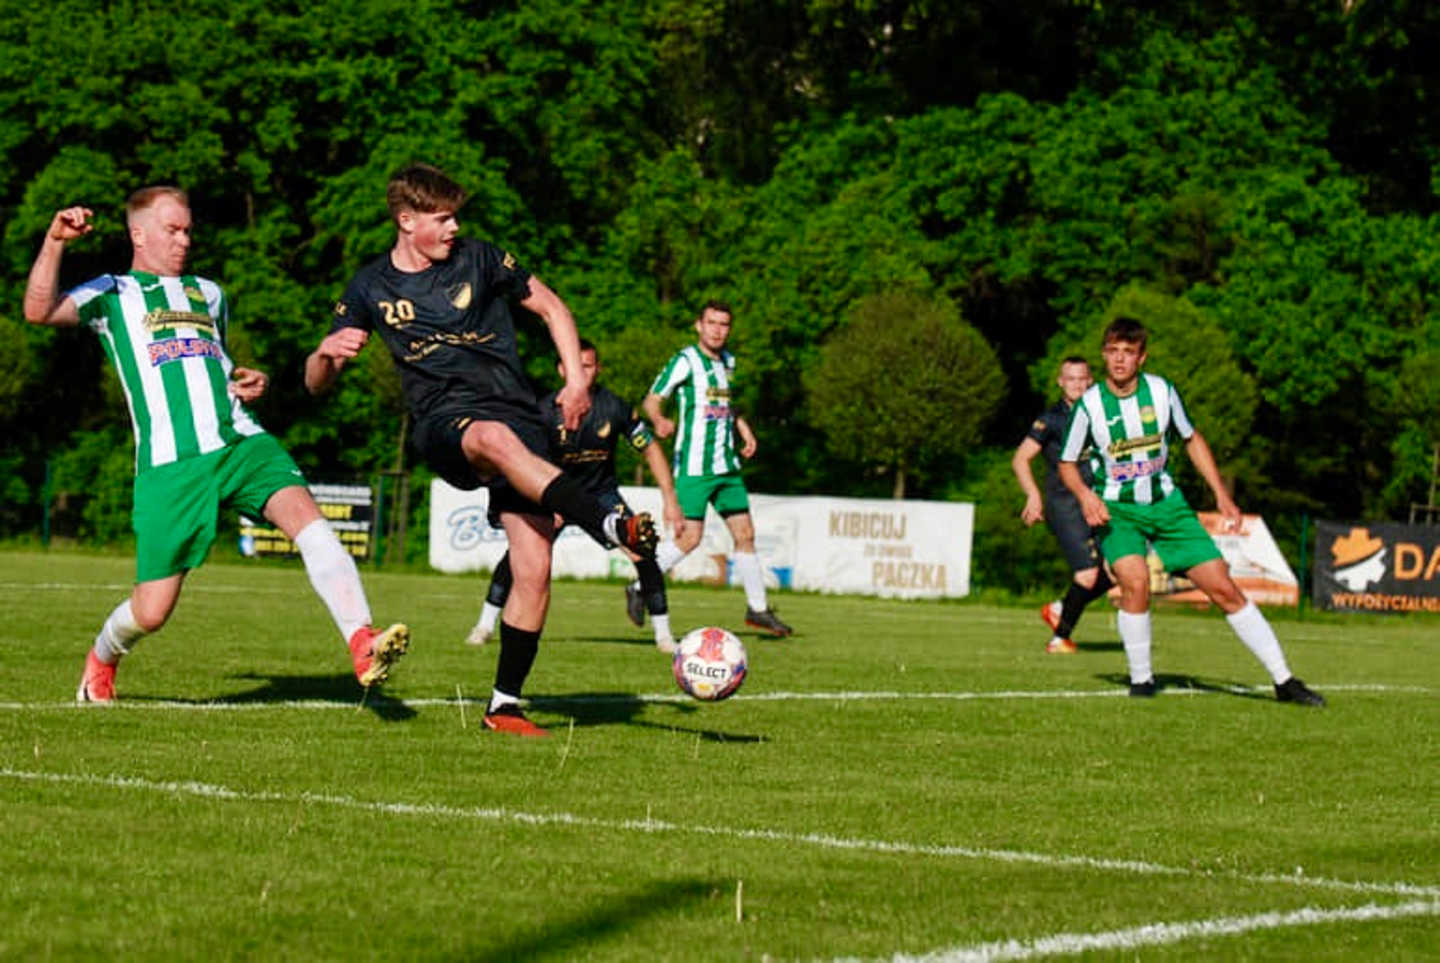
904	385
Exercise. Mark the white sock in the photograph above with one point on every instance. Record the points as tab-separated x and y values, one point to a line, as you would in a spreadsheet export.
747	566
667	556
1135	634
1254	630
118	635
489	615
661	624
333	574
499	699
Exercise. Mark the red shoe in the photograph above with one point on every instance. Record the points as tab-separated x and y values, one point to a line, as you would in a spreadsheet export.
635	532
1050	612
374	653
1059	646
98	682
510	719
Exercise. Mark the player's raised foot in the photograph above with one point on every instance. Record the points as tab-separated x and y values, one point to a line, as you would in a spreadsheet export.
1059	646
766	620
666	644
479	635
375	652
634	603
1143	690
635	532
509	719
1050	612
98	682
1293	690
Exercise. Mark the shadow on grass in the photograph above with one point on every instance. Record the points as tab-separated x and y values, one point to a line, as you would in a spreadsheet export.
625	709
1099	646
1165	681
340	688
578	935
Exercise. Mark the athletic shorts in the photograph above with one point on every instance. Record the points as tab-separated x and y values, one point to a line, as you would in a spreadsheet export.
176	507
437	438
1077	540
1169	526
725	492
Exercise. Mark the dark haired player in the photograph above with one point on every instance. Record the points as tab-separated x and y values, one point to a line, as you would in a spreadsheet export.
1129	418
1059	508
588	455
442	306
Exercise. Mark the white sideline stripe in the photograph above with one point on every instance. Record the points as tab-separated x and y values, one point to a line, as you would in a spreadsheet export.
820	840
662	698
1161	934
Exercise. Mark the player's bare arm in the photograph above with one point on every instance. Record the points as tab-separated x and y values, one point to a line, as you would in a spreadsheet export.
748	445
1091	504
323	365
660	469
573	399
43	303
247	384
1020	464
1204	461
653	406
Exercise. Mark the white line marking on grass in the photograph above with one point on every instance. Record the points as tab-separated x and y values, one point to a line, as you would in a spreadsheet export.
671	698
648	825
1161	934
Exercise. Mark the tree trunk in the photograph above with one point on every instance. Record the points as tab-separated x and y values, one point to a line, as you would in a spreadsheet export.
899	491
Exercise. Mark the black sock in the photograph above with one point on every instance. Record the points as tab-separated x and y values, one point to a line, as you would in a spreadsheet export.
518	648
1076	598
569	498
500	583
652	586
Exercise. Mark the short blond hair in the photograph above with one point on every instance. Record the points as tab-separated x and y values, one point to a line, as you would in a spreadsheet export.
145	197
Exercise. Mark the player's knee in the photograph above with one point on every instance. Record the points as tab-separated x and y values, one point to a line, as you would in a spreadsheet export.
687	540
150	616
1085	578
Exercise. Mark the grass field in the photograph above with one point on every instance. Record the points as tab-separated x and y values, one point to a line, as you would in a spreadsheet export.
900	779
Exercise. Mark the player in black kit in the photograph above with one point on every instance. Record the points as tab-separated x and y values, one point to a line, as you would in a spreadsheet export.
588	455
1060	509
441	304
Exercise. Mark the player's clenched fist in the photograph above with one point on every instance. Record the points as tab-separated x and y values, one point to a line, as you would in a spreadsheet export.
70	223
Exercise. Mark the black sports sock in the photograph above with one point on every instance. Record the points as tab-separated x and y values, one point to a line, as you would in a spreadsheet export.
1076	598
568	497
652	586
500	583
518	648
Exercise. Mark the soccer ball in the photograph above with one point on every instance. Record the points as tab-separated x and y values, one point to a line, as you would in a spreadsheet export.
710	663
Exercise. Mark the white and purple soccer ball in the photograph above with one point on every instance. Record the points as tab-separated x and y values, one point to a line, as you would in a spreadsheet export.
709	663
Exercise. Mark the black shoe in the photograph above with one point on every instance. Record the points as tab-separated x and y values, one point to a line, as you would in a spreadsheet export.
767	619
1293	690
634	604
635	532
1143	690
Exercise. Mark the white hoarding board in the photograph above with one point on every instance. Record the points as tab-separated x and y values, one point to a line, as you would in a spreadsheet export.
901	549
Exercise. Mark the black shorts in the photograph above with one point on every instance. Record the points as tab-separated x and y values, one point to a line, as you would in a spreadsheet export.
1076	538
437	438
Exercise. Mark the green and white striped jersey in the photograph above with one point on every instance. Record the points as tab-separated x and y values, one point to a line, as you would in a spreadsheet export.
1130	436
705	432
166	338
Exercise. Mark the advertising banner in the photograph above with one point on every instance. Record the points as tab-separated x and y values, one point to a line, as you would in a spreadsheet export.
899	549
1377	568
1256	565
350	510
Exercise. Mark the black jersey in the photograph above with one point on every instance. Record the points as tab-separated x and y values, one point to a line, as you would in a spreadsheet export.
449	326
588	453
1049	432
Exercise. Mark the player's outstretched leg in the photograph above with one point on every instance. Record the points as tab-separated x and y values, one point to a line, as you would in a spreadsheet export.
375	653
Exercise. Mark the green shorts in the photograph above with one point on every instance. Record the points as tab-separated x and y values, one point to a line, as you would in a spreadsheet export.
1169	526
725	492
177	506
